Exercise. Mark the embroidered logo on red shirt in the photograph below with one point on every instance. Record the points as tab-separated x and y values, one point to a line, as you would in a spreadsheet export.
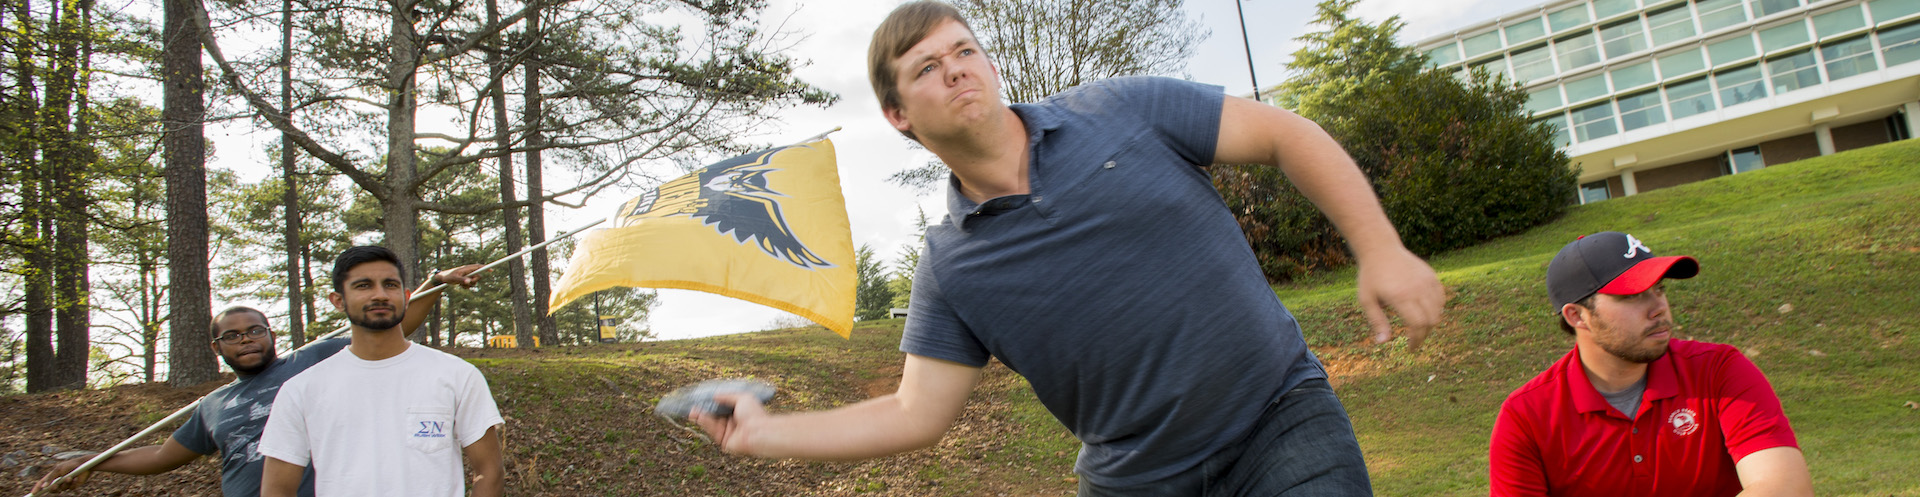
1684	422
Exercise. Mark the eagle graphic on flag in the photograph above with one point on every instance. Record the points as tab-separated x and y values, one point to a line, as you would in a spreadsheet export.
769	227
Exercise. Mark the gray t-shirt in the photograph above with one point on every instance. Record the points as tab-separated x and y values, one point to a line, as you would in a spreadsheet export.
1120	286
229	421
1627	401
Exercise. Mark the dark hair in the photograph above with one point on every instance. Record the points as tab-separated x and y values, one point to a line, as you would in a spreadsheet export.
361	255
904	28
1586	302
214	326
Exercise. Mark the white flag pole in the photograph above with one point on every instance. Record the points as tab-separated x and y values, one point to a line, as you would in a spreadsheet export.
184	411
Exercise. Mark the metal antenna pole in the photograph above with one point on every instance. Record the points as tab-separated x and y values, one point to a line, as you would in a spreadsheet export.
1248	44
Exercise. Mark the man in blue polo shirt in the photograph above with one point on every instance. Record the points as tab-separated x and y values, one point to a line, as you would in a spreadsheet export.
1086	249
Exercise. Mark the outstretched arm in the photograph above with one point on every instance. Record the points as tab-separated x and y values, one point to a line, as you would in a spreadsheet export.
1390	276
149	460
418	309
931	395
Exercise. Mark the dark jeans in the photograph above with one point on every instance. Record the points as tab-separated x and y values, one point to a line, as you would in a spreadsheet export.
1302	446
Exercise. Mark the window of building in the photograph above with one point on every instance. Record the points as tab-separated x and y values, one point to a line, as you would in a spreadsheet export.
1716	14
1527	30
1671	25
1839	22
1567	19
1593	121
1576	51
1740	86
1682	63
1763	8
1443	55
1496	67
1603	9
1593	192
1733	50
1784	36
1641	110
1745	160
1793	72
1481	43
1623	38
1848	58
1543	99
1900	45
1887	10
1558	123
1690	97
1633	76
1531	64
1587	88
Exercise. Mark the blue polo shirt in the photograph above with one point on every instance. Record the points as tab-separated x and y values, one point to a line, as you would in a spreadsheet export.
1120	286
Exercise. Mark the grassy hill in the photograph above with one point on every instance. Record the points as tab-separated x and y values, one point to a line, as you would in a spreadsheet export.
1807	267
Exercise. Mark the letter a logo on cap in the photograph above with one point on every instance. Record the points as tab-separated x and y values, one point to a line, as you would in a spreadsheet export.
1633	244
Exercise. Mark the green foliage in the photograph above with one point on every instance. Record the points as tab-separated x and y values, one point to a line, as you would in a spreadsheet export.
873	296
1454	162
902	281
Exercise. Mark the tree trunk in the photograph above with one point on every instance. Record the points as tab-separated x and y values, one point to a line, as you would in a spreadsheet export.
290	198
503	140
189	360
306	276
69	159
401	219
536	213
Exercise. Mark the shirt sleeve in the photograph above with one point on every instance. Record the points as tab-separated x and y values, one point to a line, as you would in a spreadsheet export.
1186	114
1751	419
476	411
194	435
1513	459
285	436
933	328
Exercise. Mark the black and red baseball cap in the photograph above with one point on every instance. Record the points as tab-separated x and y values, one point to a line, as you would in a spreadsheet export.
1612	263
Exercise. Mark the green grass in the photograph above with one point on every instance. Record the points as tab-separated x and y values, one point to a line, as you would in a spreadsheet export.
1837	238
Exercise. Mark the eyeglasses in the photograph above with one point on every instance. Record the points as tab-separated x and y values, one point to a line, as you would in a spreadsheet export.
236	336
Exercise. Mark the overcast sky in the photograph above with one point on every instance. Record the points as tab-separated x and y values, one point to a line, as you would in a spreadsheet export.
836	33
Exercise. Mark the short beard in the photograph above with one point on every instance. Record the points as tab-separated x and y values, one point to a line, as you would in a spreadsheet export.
268	353
399	314
1625	349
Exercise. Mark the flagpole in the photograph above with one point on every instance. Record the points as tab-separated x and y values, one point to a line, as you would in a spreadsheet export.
103	456
184	411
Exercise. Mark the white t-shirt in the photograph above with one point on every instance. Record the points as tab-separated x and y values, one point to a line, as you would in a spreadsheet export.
390	427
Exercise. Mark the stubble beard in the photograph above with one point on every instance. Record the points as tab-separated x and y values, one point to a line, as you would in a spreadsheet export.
364	322
1629	347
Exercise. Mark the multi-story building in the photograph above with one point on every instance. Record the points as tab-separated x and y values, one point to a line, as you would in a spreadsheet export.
1648	94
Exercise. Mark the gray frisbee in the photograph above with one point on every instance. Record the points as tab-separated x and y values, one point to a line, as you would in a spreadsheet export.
682	402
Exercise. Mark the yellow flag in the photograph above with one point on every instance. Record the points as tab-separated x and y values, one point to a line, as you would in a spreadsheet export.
768	227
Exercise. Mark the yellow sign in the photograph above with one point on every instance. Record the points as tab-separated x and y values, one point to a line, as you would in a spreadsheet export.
768	227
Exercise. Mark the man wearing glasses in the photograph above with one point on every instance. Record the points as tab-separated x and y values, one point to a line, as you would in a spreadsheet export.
228	422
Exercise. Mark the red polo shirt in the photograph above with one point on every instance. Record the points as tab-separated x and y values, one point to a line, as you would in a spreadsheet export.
1705	407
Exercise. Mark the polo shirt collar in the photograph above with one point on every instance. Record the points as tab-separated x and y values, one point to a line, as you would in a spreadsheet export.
1039	119
1662	383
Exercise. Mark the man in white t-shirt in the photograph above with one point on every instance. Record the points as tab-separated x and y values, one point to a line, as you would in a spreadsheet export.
385	418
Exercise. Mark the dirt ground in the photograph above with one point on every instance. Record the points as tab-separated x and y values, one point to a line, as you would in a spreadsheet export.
589	430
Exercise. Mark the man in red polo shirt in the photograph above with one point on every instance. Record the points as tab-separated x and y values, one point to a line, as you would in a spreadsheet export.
1630	411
